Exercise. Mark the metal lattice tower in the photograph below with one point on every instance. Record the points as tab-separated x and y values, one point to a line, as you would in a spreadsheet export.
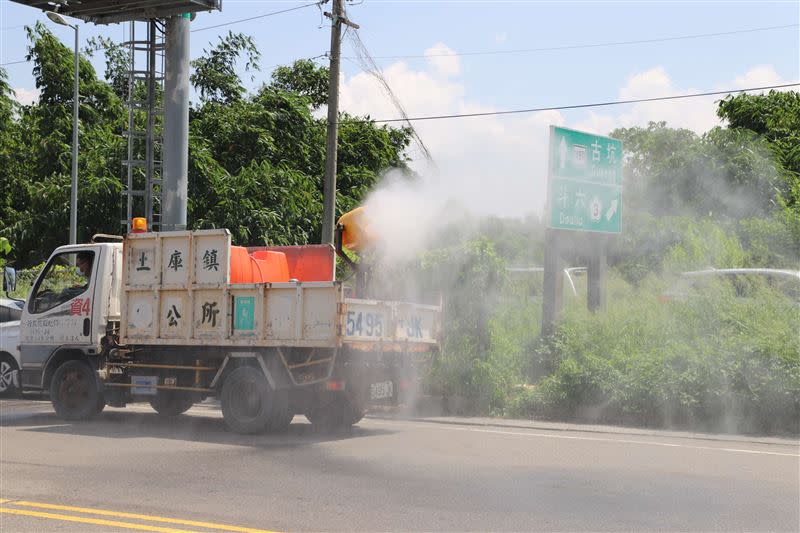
144	133
156	165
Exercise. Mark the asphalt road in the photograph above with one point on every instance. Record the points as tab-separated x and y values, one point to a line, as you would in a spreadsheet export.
131	470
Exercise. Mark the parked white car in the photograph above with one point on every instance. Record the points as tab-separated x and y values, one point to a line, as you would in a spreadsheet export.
10	312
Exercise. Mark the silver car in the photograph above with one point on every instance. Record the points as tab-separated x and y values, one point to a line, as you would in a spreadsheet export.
10	312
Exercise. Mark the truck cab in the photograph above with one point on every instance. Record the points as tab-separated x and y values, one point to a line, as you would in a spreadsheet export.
73	302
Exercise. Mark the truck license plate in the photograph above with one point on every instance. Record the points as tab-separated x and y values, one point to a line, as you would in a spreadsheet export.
144	385
381	391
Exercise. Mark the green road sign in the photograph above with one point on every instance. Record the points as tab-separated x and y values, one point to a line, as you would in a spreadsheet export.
584	181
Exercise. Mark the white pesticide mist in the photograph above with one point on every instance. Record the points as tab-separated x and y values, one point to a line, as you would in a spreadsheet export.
404	213
434	208
414	214
409	212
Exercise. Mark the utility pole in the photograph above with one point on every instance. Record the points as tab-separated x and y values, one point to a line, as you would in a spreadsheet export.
329	190
73	200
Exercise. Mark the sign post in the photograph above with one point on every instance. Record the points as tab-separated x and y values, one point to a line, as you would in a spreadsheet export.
584	180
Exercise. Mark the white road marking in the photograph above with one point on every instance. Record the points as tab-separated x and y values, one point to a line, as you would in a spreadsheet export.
601	439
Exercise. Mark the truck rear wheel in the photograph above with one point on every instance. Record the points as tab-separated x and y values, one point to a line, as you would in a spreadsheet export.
341	412
169	403
246	401
282	414
73	391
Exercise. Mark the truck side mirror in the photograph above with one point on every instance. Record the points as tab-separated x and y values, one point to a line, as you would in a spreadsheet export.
9	280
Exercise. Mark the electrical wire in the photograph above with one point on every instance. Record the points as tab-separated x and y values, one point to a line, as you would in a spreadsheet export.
369	66
496	52
259	16
588	45
321	2
579	106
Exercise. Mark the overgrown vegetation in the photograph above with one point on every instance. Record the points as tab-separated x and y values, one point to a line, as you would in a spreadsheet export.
713	361
728	198
256	159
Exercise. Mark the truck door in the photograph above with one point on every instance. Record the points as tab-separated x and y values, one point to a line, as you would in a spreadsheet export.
58	311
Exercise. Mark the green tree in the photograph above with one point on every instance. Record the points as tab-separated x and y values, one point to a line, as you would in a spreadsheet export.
215	72
117	63
256	160
9	141
775	117
37	216
726	173
305	78
269	142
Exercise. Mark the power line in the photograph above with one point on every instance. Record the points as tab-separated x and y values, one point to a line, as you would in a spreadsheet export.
216	25
589	45
580	106
369	66
225	23
259	16
87	49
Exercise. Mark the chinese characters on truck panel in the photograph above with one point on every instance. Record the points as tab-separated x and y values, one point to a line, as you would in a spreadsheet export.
210	313
175	261
173	316
58	329
143	261
208	317
144	258
80	306
210	260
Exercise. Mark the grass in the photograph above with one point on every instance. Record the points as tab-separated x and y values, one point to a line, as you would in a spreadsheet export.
713	361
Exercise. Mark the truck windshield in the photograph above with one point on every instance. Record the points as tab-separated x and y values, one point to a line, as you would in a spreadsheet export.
66	276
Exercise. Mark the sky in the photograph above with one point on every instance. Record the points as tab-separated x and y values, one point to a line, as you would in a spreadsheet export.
499	162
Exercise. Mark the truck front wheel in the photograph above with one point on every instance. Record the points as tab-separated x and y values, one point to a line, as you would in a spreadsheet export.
73	391
246	401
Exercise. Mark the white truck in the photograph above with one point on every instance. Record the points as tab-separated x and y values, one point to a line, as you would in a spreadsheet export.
170	319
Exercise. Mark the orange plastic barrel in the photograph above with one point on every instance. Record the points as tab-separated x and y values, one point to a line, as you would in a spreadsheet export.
241	269
271	266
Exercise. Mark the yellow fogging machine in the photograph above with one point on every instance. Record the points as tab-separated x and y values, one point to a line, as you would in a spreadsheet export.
354	233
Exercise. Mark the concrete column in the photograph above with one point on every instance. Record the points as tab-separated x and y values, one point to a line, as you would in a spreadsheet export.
553	287
597	273
175	151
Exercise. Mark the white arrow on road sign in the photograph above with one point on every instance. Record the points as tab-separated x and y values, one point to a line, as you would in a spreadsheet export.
562	152
612	209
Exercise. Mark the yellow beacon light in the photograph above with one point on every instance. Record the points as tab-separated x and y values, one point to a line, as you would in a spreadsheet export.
139	225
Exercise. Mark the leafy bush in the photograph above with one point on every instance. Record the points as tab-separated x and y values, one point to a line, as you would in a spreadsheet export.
470	276
713	361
